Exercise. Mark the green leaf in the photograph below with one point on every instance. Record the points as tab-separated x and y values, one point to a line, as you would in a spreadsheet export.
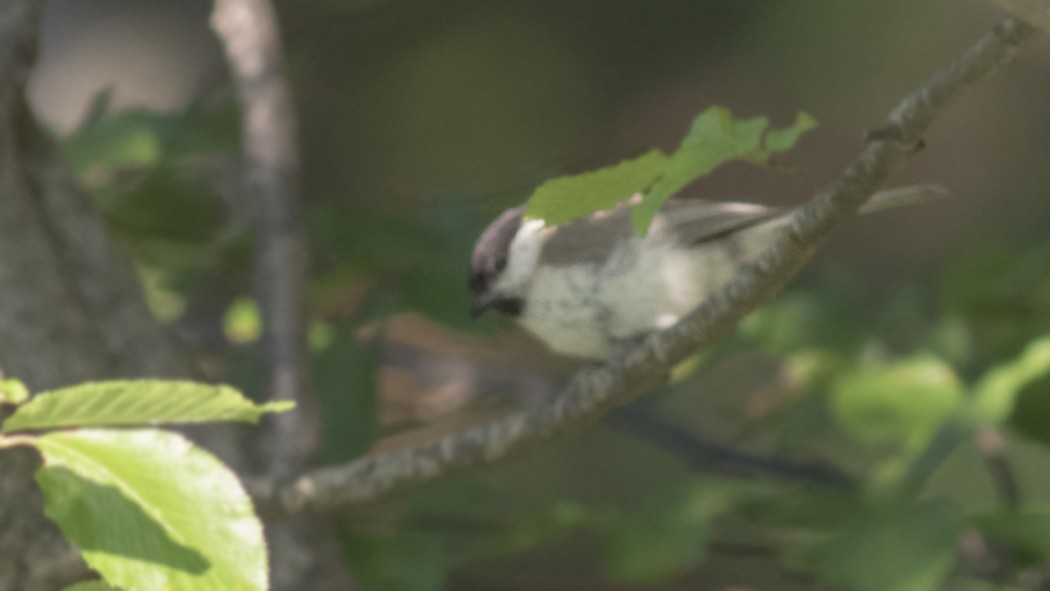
243	322
714	138
651	545
996	391
782	140
164	205
1031	413
137	402
1027	531
560	200
91	586
149	510
893	549
13	392
127	139
903	403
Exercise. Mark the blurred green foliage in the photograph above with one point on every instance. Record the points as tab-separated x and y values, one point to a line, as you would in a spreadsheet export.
443	131
905	386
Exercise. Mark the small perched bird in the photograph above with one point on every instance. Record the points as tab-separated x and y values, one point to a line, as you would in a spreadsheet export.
591	286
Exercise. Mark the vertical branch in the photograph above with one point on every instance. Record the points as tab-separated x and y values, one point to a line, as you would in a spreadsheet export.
248	30
992	448
303	552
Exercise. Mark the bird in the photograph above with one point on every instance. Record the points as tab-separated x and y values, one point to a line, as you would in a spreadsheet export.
592	286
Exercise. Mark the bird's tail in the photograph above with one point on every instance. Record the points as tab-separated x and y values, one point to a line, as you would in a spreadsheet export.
903	196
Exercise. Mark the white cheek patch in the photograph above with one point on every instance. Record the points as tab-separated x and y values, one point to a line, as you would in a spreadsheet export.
522	257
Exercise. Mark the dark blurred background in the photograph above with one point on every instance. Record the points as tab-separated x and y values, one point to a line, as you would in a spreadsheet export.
420	121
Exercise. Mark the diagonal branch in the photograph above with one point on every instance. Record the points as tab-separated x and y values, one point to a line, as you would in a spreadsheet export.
992	447
248	30
596	389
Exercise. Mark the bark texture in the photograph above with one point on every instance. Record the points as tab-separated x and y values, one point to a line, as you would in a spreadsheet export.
71	308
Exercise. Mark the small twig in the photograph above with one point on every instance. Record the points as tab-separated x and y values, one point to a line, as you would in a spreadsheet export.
704	455
992	448
1035	12
248	30
304	552
596	389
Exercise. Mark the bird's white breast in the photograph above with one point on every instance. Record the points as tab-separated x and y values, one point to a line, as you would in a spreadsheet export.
591	309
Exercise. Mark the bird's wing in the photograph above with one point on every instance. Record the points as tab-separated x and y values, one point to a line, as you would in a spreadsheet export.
686	221
588	239
695	221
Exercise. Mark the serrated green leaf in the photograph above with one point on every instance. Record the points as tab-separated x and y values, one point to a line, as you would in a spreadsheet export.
137	402
563	199
995	392
903	403
782	140
149	510
91	586
714	138
13	392
905	549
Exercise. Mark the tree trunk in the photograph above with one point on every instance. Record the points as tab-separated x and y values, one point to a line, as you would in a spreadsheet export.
71	308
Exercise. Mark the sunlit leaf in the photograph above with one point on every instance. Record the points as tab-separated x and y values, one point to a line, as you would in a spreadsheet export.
242	323
904	402
783	139
716	137
560	200
149	510
995	392
13	391
136	402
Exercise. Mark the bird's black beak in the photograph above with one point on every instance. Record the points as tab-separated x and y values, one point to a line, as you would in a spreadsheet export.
481	303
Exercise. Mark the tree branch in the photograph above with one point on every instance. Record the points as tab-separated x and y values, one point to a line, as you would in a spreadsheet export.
596	389
704	455
304	552
1035	12
248	30
992	448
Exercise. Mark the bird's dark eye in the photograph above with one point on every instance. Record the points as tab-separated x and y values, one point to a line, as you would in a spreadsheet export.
510	306
501	264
